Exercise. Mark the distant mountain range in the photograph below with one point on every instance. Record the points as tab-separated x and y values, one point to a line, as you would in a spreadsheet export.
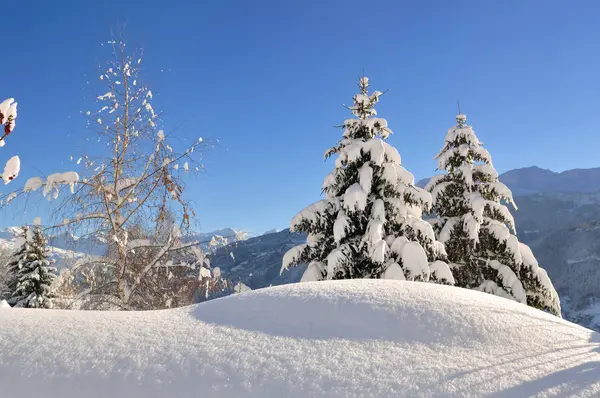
558	217
67	247
530	180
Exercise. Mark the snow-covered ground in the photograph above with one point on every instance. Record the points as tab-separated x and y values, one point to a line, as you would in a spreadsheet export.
350	338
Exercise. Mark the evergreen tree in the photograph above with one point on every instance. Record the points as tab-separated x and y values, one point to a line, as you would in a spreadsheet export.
369	225
12	266
475	225
35	274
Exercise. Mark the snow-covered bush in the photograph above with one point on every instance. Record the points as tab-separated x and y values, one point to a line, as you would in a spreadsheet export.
475	225
369	225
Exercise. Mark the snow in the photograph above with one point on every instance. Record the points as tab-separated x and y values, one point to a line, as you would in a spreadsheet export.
54	180
313	272
292	255
329	180
355	198
441	271
470	225
374	233
414	260
393	272
404	176
310	213
365	177
377	150
11	170
510	281
486	168
392	154
528	257
379	251
334	260
340	227
341	338
446	231
378	210
8	114
4	304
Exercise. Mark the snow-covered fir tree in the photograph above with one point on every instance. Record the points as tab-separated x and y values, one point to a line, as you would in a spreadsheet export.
35	274
475	225
13	263
369	225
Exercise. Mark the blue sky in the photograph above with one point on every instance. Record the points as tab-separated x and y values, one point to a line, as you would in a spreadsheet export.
268	80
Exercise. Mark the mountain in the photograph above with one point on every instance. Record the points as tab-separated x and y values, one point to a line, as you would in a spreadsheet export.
67	248
358	338
214	239
563	230
534	179
530	180
257	261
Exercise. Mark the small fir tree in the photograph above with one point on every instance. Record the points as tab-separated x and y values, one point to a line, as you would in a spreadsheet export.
369	225
13	265
475	226
36	273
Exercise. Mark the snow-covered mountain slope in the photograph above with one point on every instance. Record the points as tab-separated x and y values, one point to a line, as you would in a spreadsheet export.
335	339
64	257
563	230
68	247
257	261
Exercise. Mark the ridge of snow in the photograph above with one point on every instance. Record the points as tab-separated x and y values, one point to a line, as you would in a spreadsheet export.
309	339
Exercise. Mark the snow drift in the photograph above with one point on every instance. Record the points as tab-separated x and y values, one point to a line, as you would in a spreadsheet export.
338	338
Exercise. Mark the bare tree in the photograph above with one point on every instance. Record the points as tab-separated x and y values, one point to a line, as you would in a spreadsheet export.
133	178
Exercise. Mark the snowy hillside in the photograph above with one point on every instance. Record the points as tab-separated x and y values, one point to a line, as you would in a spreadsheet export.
563	229
257	261
341	338
64	257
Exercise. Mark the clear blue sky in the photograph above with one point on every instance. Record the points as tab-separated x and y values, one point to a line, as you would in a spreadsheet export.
268	78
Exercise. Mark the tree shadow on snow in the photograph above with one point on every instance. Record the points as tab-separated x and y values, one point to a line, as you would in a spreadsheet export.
565	383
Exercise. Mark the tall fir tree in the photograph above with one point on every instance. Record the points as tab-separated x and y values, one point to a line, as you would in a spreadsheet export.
475	225
369	225
35	274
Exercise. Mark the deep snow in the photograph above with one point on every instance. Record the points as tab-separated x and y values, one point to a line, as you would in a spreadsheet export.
336	338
